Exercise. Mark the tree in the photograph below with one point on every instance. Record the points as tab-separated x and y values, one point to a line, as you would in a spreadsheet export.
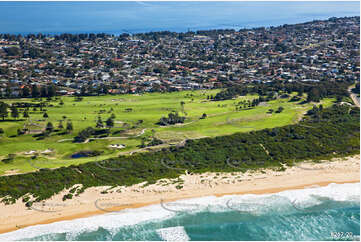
83	91
51	90
26	114
43	91
182	106
12	51
279	110
313	95
84	134
35	91
356	89
109	122
45	115
69	126
204	115
60	125
300	91
8	92
142	144
173	118
313	111
25	92
153	133
99	123
3	110
14	112
49	127
34	53
255	102
20	132
41	106
321	107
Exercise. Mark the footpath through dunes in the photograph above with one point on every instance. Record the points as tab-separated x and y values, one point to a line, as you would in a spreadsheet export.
95	201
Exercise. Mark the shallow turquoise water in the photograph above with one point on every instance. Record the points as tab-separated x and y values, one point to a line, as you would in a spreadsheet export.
326	213
235	226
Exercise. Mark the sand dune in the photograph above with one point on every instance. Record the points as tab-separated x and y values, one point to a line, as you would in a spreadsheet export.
94	201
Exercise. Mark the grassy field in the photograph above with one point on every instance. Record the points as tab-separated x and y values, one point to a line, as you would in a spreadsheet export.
222	119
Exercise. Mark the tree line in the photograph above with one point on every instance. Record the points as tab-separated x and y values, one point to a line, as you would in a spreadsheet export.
31	91
315	90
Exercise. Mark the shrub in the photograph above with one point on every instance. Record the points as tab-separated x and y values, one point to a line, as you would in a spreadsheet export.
173	118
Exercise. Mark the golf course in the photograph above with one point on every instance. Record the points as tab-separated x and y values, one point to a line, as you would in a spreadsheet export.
135	125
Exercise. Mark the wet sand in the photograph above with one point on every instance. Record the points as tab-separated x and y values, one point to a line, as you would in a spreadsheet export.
94	202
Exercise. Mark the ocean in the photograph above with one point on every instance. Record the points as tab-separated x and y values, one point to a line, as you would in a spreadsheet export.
317	213
323	213
136	17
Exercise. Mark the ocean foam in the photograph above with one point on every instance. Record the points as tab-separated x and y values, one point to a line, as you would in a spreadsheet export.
113	221
110	221
173	234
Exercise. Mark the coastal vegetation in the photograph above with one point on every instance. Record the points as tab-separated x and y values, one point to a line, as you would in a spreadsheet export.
323	132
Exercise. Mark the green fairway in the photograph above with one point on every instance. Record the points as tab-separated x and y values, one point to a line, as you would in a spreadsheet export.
135	118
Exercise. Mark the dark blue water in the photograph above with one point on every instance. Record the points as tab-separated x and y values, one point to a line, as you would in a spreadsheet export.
77	155
135	17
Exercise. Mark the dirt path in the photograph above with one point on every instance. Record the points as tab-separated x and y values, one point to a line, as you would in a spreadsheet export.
120	137
62	140
354	97
264	148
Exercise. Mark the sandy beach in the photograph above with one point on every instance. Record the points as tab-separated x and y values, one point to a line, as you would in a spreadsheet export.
95	201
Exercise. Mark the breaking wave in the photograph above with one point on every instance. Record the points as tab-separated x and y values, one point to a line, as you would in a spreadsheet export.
316	213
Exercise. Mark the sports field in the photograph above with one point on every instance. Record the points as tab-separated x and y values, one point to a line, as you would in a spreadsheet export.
135	119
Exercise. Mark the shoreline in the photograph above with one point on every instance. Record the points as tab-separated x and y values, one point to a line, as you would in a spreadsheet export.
338	170
95	213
